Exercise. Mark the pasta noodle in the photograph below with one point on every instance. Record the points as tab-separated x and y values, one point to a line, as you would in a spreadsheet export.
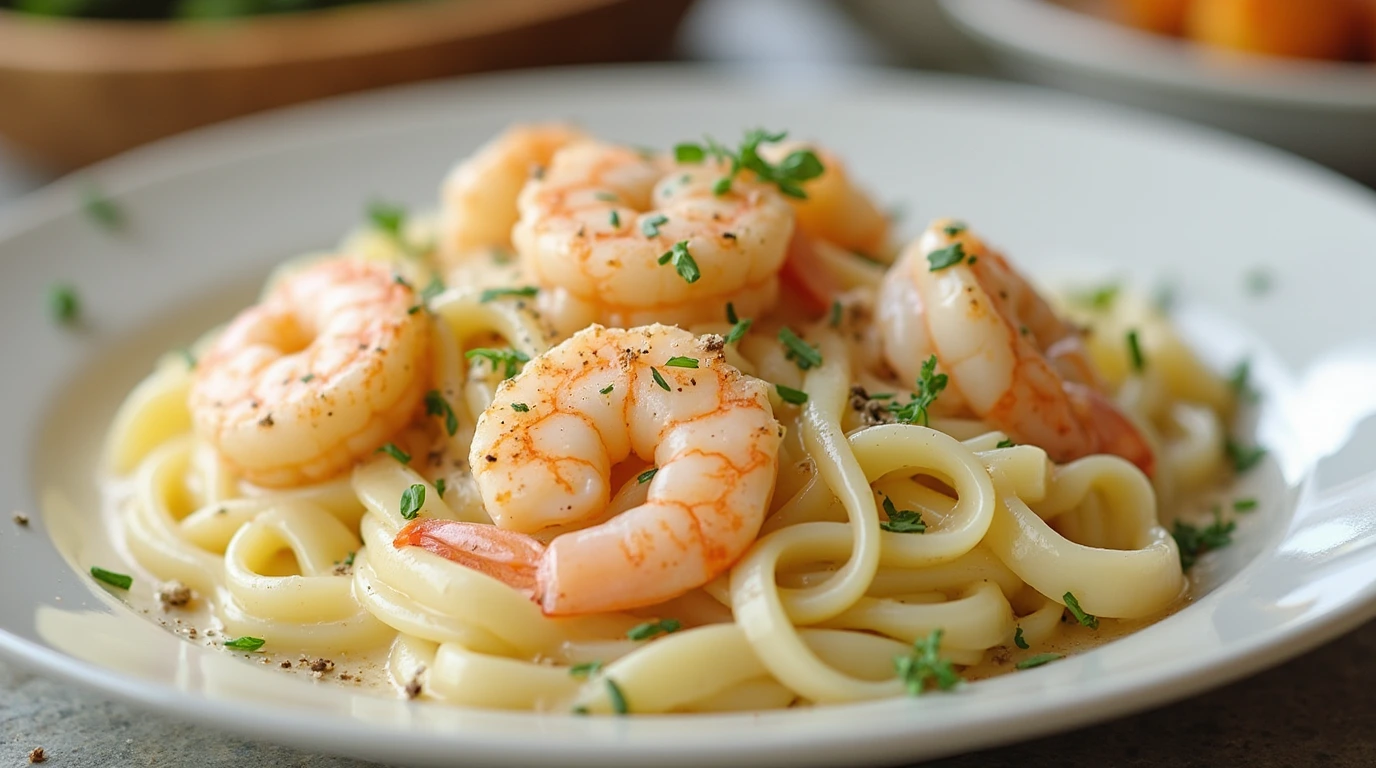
999	538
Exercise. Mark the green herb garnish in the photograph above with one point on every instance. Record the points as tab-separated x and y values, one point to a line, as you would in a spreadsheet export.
682	362
1135	352
118	580
618	698
436	405
803	355
520	407
63	304
245	643
790	395
491	294
654	372
1100	298
1019	641
614	219
607	390
1240	380
650	629
1244	505
1085	619
930	384
508	358
731	313
799	166
1194	541
1243	457
835	318
101	209
1005	443
392	450
738	330
387	218
902	521
1038	660
191	362
649	226
585	669
644	477
606	197
412	499
954	228
949	256
924	665
1259	282
440	487
683	262
689	153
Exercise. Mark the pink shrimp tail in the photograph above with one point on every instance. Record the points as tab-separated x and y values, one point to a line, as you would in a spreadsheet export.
509	557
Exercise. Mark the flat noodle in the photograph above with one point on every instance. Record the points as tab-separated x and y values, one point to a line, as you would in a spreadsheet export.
814	612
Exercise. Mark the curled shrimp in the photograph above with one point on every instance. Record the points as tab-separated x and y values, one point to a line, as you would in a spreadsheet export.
626	239
835	209
315	377
1011	361
479	195
544	453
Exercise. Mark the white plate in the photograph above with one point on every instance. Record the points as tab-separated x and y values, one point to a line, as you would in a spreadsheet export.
1324	110
1056	181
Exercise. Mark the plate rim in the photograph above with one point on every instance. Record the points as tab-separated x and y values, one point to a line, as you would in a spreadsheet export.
168	159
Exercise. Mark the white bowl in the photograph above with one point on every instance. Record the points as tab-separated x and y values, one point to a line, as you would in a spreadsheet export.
1323	110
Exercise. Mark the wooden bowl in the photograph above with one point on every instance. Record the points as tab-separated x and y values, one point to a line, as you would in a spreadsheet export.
75	91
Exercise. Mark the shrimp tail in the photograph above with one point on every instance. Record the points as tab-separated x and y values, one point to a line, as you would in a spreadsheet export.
1114	432
509	557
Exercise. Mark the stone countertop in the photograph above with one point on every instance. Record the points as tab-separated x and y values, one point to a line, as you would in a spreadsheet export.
1315	710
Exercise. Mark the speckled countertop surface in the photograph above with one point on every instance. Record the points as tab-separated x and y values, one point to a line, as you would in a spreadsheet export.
1319	709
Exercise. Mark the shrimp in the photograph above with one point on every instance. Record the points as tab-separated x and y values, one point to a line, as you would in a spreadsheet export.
315	377
835	210
479	194
1011	360
626	239
543	457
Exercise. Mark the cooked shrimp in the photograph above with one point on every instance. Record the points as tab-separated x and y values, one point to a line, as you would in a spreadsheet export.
835	210
599	228
543	457
1011	361
479	194
317	376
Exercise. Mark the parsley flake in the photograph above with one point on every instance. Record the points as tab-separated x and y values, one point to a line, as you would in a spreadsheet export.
1100	298
649	226
1085	619
508	358
412	499
924	665
117	580
689	153
191	362
682	362
1244	505
1038	660
738	330
930	385
520	407
614	219
683	262
790	395
1135	352
440	487
949	256
644	477
954	228
63	304
392	450
664	385
492	294
387	218
585	669
1193	541
436	405
1005	443
1240	381
731	313
835	319
902	521
1019	640
802	354
1243	457
651	629
245	643
618	698
788	175
607	390
101	209
606	197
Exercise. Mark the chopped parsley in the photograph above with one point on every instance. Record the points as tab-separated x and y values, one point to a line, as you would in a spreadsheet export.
412	499
649	226
606	197
902	521
1038	660
738	330
835	319
799	166
954	228
432	289
924	665
387	218
1194	541
664	385
520	407
682	362
509	359
803	355
1005	443
1135	352
1244	505
1085	619
308	378
1100	298
644	477
614	218
585	669
63	304
607	390
492	294
790	395
949	256
191	362
731	313
245	643
1019	641
118	580
651	629
392	450
101	209
618	698
1240	380
348	559
683	262
1243	457
440	487
436	405
930	384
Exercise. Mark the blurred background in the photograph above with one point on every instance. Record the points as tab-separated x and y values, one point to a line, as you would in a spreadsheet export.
81	80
